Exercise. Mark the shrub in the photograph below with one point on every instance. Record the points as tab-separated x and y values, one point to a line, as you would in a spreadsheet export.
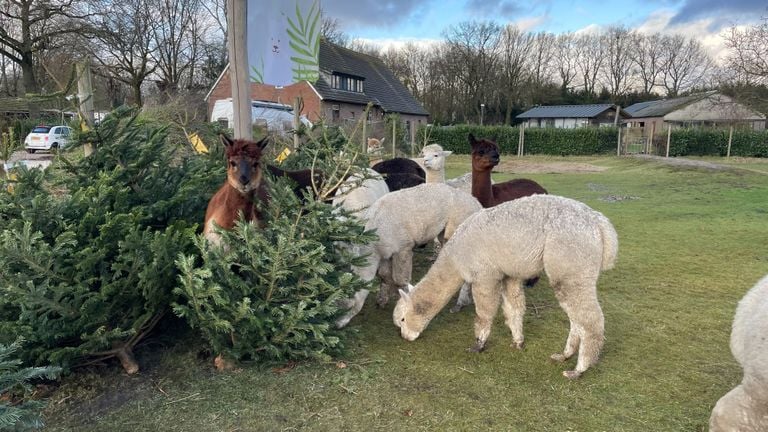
87	251
550	141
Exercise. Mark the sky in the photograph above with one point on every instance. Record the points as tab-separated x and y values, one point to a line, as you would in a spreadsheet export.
389	22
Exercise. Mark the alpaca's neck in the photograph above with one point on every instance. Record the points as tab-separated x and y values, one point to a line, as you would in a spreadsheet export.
373	161
236	201
434	176
481	187
437	287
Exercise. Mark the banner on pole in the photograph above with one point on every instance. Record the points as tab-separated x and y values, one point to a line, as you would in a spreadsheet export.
283	41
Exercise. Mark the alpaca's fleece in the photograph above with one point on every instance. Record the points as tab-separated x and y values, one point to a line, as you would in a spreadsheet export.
360	190
500	247
402	220
745	408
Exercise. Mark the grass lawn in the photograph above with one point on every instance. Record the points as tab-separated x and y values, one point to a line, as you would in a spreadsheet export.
691	243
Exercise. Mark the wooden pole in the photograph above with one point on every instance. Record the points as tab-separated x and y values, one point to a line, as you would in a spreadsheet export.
653	132
730	140
520	139
669	138
522	142
296	121
85	100
394	137
364	147
618	135
238	69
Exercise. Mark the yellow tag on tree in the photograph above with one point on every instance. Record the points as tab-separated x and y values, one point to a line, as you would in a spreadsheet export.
283	155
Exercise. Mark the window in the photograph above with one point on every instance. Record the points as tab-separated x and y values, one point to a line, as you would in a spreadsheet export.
348	83
550	122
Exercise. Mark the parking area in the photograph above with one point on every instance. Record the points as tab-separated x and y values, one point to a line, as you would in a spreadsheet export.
31	160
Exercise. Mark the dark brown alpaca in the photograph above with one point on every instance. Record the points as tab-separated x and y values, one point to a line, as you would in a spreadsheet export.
485	156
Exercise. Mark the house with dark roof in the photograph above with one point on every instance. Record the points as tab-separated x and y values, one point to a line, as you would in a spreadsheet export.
703	109
348	82
572	116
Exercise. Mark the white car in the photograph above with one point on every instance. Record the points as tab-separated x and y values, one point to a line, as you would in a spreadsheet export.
47	138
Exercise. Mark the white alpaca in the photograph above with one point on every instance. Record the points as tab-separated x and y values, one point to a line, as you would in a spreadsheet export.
404	219
500	247
433	161
359	191
745	408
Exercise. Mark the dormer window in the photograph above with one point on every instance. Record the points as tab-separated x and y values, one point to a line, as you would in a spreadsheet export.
347	83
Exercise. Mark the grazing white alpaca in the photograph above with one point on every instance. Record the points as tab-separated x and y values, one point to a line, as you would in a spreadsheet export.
404	219
498	248
745	408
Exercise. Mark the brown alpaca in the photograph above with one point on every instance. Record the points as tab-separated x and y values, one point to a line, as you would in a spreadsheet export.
241	190
485	156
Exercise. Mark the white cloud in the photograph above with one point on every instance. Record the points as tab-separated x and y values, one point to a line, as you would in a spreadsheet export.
531	23
701	30
400	42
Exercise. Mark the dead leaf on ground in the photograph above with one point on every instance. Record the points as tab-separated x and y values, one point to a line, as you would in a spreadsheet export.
284	369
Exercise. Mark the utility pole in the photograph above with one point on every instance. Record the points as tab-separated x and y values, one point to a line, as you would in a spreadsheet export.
238	69
85	100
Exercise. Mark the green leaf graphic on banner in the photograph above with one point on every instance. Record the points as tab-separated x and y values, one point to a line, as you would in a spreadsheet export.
305	42
257	75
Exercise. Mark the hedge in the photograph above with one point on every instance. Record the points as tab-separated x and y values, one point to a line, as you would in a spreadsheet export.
550	141
586	141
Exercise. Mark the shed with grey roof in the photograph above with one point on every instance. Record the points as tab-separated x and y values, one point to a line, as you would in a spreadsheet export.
572	116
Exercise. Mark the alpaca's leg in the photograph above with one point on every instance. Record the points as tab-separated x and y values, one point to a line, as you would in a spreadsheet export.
513	306
487	295
400	274
355	305
385	273
465	297
579	301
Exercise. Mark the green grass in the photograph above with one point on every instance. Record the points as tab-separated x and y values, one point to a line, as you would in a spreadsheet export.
692	242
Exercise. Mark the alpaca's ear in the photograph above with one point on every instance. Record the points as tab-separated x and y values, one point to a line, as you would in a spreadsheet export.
382	140
405	296
471	139
447	153
263	143
226	139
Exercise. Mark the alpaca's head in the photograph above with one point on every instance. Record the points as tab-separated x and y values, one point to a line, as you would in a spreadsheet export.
375	146
406	316
485	153
244	162
433	157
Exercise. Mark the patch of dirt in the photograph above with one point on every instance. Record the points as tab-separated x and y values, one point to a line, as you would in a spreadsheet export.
546	167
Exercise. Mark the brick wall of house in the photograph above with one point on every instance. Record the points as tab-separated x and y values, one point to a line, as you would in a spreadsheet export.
263	92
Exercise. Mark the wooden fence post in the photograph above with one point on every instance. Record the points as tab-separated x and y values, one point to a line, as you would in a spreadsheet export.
669	138
237	11
730	139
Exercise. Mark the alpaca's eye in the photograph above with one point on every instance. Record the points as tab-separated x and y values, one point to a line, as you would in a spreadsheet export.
481	152
232	164
402	319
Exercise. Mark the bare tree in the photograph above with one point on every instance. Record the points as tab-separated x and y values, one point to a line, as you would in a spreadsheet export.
31	26
589	52
749	52
566	59
474	50
685	64
617	67
331	30
514	51
648	59
123	43
174	41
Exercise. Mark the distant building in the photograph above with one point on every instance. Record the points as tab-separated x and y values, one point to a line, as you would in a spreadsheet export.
703	109
572	116
348	82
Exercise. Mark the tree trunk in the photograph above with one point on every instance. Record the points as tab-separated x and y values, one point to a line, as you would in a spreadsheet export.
136	87
125	355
